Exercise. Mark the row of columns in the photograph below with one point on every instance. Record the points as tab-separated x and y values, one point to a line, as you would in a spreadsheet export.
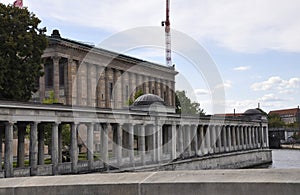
154	142
93	84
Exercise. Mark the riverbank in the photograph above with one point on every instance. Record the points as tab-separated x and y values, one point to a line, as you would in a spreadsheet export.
290	146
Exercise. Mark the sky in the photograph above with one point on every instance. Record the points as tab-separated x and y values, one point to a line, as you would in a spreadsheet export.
253	46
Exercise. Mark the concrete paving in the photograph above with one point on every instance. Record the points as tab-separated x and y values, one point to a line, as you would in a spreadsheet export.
248	181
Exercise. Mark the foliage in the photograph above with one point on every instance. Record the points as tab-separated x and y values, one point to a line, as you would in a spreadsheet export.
185	106
51	99
275	121
22	44
137	94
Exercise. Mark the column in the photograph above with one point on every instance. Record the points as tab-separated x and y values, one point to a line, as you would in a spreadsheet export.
33	148
180	140
257	137
60	143
213	139
219	138
74	147
173	144
21	145
119	145
234	145
8	164
194	139
224	138
142	142
229	137
207	139
131	144
41	144
242	138
104	143
56	76
159	142
188	139
202	137
90	144
54	148
2	129
153	137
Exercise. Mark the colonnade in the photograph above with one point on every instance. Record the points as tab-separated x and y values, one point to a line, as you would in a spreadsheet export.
124	145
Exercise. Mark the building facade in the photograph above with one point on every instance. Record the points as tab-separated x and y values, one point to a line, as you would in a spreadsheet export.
82	75
287	115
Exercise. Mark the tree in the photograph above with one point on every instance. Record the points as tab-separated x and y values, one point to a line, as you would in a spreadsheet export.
185	106
22	44
137	94
274	120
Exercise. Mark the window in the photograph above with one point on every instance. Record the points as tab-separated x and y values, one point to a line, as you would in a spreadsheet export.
111	90
49	73
61	75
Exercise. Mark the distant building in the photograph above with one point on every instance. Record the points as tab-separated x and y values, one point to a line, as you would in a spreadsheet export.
83	75
287	115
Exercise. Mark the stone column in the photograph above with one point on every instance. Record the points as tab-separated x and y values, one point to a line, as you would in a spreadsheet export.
173	144
42	83
180	140
54	148
56	76
74	147
60	143
224	138
202	138
119	145
2	129
33	151
8	164
21	145
213	139
142	143
90	144
242	138
207	140
188	140
234	145
131	144
257	137
229	138
159	142
266	136
238	137
219	138
194	139
104	143
41	144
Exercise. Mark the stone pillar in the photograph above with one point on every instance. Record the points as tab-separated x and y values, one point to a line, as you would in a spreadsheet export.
142	143
104	143
119	145
242	138
207	140
213	139
266	136
180	140
42	83
219	138
21	145
60	143
188	140
234	145
74	147
131	144
2	129
90	144
173	144
229	138
238	137
159	142
41	144
54	148
224	138
8	164
257	137
202	138
56	76
33	151
194	139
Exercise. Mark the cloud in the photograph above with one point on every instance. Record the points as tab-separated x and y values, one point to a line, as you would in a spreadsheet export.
243	26
242	68
200	92
271	98
277	83
226	85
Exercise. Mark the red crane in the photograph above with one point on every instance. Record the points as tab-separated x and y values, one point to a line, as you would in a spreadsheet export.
167	25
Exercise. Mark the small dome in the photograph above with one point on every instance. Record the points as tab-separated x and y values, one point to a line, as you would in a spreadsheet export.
147	100
252	112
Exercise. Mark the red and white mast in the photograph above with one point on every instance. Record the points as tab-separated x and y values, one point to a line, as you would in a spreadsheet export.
167	25
18	3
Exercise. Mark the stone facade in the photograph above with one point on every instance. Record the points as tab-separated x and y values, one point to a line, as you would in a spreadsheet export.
82	75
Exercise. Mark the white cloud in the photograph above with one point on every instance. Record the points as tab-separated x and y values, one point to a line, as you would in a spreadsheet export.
242	68
277	83
200	92
244	26
226	85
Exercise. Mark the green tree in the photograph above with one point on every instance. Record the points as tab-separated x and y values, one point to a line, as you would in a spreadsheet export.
274	120
137	94
22	44
185	106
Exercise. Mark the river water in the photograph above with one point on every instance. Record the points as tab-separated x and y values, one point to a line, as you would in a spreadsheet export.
285	159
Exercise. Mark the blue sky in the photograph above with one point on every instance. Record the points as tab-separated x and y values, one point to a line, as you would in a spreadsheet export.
254	44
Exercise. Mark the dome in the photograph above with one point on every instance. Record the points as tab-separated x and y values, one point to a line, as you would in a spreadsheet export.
252	112
148	99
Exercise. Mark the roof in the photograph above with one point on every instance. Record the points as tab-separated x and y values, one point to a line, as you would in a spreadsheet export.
147	100
292	111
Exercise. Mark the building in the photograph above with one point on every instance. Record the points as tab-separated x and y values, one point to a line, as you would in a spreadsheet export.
82	75
287	115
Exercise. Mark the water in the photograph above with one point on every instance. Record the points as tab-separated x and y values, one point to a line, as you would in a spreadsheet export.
283	159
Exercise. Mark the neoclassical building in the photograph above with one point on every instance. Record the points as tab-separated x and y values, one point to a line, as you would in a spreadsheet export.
83	75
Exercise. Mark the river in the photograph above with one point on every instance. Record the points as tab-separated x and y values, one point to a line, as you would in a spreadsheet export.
285	158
